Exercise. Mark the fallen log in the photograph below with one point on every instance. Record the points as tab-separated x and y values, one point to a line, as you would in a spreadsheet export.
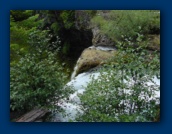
33	115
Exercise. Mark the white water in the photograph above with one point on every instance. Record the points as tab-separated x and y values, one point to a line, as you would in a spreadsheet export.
104	48
74	72
75	69
79	83
71	108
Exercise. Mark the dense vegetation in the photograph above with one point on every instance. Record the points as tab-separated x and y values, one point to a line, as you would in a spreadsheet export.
36	74
43	45
120	24
125	95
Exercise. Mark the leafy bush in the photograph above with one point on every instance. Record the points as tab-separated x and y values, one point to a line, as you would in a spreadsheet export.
35	82
128	23
125	90
16	51
68	18
30	22
36	75
20	15
19	36
40	41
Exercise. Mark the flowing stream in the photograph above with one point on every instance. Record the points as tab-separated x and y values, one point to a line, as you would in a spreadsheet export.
71	108
80	82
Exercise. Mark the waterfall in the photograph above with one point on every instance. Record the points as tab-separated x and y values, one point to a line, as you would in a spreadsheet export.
75	70
72	107
79	83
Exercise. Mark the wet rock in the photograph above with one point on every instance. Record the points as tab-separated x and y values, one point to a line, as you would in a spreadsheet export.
92	57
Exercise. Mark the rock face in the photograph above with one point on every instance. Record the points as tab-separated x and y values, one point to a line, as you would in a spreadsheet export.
76	41
102	49
92	57
98	37
83	22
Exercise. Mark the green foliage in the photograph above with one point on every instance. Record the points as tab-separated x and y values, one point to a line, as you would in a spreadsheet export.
18	41
92	13
36	76
60	23
40	40
58	20
35	82
128	23
55	27
30	22
20	15
120	94
16	52
19	35
67	17
19	31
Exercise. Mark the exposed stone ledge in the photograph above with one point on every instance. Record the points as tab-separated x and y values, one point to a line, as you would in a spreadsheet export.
92	57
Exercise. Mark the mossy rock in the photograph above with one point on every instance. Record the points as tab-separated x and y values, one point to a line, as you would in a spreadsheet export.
91	58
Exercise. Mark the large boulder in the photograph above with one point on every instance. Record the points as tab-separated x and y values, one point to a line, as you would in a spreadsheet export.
92	57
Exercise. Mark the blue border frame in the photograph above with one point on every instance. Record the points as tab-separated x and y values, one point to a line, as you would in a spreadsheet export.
166	91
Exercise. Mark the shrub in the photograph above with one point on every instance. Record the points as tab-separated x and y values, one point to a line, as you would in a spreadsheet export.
110	99
40	40
36	77
123	93
128	23
68	18
30	22
35	82
20	15
19	36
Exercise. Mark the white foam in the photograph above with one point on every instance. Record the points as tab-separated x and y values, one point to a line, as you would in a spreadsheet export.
80	82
